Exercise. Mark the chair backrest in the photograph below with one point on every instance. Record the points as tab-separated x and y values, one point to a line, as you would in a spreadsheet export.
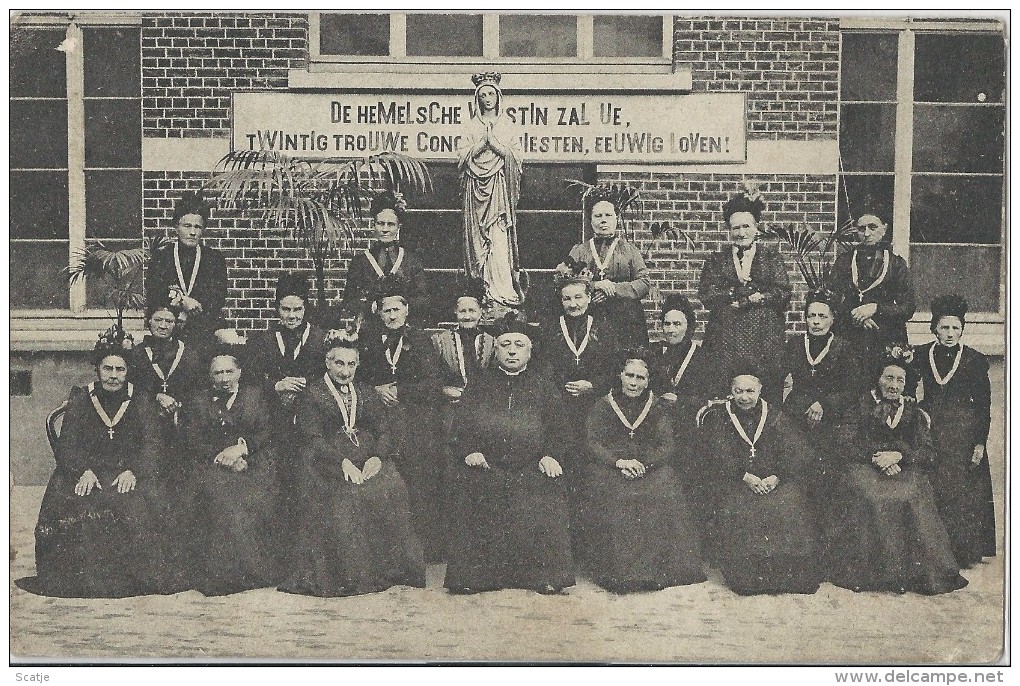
54	418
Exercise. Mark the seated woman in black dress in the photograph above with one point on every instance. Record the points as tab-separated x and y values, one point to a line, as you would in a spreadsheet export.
509	526
764	534
885	533
958	395
229	435
99	532
357	535
826	375
642	538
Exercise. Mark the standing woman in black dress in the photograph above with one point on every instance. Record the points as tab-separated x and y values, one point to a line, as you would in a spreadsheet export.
957	395
746	289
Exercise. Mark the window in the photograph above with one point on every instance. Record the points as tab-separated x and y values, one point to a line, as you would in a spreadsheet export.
548	225
922	141
478	38
66	188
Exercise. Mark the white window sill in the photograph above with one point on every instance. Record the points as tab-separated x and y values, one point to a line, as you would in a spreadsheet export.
403	77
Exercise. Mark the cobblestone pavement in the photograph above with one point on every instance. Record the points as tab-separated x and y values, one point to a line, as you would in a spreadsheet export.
705	623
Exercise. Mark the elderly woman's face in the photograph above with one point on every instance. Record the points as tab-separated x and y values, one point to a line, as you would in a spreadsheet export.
161	324
948	330
341	364
224	372
469	312
575	299
513	351
393	311
189	229
743	229
603	218
892	382
818	318
634	378
112	372
870	229
745	389
386	226
674	326
487	98
291	311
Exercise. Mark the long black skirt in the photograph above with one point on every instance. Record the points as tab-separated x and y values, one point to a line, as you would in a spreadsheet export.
420	461
106	544
885	534
766	543
641	534
963	493
235	530
508	529
356	539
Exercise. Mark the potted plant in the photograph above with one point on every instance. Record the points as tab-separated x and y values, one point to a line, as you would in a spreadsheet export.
320	201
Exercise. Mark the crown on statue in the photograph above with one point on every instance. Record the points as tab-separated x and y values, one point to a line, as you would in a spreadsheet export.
491	78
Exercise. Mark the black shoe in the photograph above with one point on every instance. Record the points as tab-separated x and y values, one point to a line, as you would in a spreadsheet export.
549	589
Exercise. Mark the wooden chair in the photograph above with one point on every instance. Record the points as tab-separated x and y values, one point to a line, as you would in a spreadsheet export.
55	418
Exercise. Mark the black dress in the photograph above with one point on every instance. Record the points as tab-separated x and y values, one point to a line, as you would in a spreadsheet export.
885	532
642	537
827	372
751	331
355	538
763	543
235	529
883	279
960	410
105	544
362	285
510	526
274	354
210	288
415	422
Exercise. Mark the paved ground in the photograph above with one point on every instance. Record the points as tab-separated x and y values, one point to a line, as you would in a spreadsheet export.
705	623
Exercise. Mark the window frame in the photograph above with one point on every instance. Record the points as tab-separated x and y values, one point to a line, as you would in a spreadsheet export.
584	61
903	172
76	165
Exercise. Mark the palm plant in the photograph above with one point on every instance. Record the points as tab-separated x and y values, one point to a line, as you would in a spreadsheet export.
813	251
320	201
118	272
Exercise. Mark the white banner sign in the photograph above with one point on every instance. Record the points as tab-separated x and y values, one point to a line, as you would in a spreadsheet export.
674	129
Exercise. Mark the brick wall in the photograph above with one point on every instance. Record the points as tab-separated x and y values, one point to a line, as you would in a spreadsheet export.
192	62
695	202
789	66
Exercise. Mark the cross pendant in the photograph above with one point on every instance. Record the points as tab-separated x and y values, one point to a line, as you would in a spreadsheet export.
813	371
165	387
393	369
632	434
753	452
577	360
109	430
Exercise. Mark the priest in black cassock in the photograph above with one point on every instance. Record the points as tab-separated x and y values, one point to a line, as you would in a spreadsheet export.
189	275
510	524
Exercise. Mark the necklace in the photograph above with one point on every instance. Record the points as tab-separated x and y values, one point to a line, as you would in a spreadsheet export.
601	264
118	415
813	362
939	379
641	417
194	269
578	350
744	275
740	429
395	357
894	421
297	348
687	361
856	277
173	367
378	269
349	417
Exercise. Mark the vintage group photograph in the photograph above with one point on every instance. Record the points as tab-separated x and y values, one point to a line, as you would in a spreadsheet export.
492	336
